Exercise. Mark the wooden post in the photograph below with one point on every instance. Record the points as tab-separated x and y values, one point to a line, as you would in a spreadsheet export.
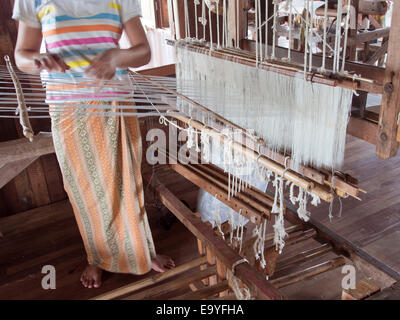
387	142
202	252
353	29
237	28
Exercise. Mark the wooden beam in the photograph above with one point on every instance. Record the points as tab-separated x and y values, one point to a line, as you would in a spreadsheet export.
172	285
11	170
387	144
303	256
309	272
376	8
378	53
391	293
369	36
260	287
162	71
366	71
235	204
151	280
204	293
363	129
364	289
21	149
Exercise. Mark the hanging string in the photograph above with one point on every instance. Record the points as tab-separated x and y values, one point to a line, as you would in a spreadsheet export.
241	292
203	19
256	22
259	31
218	36
346	35
210	25
324	36
217	216
310	36
274	28
196	3
306	34
237	24
187	23
290	29
266	29
334	196
337	37
224	27
171	19
177	22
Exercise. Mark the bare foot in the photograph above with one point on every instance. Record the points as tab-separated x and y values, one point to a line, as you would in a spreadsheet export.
162	263
91	277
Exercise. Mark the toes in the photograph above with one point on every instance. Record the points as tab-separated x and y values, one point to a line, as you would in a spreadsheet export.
159	268
84	282
97	283
90	284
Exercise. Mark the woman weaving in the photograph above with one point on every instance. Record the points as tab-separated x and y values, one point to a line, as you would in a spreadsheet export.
100	157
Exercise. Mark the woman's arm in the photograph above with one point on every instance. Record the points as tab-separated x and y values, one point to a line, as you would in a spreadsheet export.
139	54
27	52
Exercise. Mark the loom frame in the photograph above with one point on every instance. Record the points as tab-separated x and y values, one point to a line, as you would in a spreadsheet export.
382	131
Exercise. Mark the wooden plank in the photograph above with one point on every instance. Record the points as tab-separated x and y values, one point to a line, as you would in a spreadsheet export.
20	149
176	283
38	184
256	282
162	71
391	293
303	256
340	245
204	293
308	272
11	170
364	289
54	179
369	36
378	54
387	144
363	129
373	7
151	280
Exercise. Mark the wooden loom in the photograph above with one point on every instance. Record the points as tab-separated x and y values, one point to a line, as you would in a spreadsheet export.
219	258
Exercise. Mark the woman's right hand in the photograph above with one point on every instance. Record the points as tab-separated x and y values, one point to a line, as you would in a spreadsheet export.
51	62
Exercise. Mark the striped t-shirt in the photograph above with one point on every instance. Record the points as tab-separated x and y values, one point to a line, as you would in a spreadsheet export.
77	30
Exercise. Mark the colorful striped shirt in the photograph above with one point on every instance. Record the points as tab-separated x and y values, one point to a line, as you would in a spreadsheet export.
78	30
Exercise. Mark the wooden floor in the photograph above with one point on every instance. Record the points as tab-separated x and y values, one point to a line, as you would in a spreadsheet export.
49	235
374	223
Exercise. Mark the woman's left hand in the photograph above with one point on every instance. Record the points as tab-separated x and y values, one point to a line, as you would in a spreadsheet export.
104	65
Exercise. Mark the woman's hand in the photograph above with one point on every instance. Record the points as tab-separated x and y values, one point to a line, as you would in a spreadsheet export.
104	65
139	54
27	52
50	62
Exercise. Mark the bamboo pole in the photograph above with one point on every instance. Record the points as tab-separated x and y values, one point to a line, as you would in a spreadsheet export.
321	191
344	81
